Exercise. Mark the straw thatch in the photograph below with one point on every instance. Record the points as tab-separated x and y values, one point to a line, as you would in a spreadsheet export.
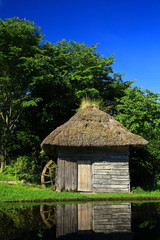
92	127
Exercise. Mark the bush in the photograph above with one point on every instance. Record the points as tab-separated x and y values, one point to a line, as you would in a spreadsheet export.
8	174
28	169
8	170
137	190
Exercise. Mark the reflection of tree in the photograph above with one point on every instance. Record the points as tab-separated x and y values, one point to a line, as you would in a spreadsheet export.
5	223
20	221
146	221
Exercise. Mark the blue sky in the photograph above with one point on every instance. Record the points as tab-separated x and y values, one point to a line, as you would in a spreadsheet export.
128	29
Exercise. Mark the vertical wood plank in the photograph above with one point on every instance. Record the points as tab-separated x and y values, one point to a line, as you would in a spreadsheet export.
66	175
62	174
60	181
74	176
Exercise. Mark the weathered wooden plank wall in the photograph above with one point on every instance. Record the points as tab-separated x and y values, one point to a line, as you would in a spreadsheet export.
110	176
66	175
97	170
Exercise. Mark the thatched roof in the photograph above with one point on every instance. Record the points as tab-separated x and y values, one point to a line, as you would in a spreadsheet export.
92	127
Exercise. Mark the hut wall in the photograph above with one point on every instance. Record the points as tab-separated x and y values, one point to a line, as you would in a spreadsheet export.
93	169
111	172
66	177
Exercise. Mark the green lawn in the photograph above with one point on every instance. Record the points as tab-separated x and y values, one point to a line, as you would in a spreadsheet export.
24	192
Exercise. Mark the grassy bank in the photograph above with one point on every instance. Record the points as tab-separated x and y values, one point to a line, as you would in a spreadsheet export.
21	192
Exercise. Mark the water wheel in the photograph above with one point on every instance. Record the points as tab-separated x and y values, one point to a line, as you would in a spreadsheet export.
48	215
48	174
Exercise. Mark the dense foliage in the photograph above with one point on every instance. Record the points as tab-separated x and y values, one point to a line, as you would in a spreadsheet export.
41	86
139	111
19	45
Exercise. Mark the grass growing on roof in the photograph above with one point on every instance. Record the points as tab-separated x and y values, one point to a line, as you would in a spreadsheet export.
87	101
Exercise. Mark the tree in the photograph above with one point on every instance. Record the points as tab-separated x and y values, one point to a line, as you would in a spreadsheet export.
77	71
139	111
41	85
19	48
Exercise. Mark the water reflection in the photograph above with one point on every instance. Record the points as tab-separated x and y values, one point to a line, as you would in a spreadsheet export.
48	215
21	222
105	218
109	221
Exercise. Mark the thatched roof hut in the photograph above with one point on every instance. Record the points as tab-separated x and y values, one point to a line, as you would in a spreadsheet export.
91	129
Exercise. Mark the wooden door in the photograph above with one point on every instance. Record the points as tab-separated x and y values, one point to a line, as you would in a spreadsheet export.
85	175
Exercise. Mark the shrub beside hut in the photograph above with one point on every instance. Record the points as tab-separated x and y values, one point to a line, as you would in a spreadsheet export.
92	152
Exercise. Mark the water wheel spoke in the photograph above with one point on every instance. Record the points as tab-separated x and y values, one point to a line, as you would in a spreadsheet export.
46	220
48	173
51	168
51	221
48	182
44	212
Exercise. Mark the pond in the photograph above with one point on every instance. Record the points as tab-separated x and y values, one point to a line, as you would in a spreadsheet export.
102	220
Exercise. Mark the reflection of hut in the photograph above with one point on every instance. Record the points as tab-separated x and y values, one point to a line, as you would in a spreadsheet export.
91	220
111	219
93	152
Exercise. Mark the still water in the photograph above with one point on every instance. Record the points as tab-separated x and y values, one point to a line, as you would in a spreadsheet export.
109	221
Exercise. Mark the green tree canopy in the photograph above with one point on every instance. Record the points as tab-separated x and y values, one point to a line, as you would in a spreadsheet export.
76	71
139	111
19	44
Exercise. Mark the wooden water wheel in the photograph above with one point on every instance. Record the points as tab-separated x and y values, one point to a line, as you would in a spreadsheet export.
48	174
48	215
